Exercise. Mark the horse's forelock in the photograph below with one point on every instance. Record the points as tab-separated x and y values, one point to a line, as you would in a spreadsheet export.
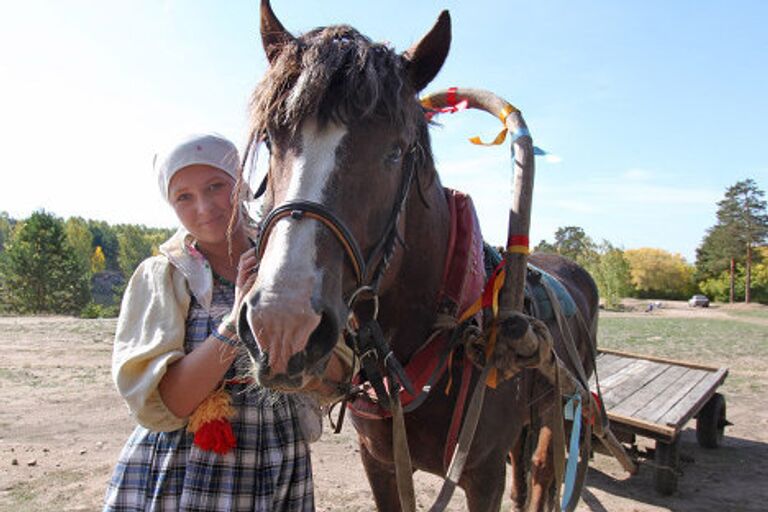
334	74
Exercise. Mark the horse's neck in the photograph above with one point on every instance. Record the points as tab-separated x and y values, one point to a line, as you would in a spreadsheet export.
411	303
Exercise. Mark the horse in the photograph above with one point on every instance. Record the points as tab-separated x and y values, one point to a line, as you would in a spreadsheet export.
357	225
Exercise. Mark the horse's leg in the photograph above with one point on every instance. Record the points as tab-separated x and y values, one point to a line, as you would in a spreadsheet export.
519	485
484	486
542	468
381	478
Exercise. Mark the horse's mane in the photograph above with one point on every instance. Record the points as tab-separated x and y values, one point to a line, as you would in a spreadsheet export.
337	74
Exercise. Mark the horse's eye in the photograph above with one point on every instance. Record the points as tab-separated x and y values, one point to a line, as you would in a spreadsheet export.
395	155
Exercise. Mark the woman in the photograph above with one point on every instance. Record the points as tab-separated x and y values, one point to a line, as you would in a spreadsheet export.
175	355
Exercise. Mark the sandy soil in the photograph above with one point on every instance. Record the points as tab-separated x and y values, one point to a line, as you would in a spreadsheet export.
62	426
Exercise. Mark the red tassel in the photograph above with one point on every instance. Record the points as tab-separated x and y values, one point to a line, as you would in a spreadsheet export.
216	436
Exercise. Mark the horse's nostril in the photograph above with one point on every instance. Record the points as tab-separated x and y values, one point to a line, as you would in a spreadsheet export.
322	339
296	363
244	330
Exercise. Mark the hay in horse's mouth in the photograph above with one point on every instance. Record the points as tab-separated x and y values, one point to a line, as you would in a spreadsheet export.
311	360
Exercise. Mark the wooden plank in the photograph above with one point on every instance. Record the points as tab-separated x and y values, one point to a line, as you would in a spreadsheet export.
636	424
608	364
619	376
690	404
613	388
659	386
619	372
687	364
634	384
679	389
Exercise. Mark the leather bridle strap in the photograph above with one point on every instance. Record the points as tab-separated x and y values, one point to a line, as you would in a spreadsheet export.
383	249
300	209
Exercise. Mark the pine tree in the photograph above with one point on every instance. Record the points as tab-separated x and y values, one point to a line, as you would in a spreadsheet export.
134	248
742	223
41	272
81	240
6	227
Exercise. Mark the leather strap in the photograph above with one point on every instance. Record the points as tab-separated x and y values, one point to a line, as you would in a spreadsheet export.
300	209
402	456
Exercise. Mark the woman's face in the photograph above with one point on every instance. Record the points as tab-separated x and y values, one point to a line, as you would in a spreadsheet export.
201	195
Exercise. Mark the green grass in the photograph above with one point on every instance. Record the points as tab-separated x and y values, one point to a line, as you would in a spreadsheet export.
705	340
749	313
740	346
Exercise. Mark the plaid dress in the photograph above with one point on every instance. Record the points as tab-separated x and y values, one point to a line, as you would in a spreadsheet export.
269	470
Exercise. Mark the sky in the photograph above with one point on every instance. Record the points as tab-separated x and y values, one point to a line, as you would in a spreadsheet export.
654	108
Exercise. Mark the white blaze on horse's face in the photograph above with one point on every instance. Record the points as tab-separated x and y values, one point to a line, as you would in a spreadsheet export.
289	279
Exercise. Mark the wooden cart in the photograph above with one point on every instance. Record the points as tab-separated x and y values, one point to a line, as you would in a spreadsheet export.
655	397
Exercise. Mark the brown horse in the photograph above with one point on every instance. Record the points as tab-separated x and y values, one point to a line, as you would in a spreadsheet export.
355	208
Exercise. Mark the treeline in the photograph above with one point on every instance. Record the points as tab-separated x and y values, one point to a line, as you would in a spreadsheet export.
731	262
73	266
78	266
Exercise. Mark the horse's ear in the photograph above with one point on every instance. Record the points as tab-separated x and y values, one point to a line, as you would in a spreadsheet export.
424	59
273	34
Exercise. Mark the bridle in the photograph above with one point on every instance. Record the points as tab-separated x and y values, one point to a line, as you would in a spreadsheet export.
367	275
363	335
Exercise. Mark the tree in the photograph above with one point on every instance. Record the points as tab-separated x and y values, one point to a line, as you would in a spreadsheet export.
742	223
545	246
611	272
41	271
105	236
573	243
657	273
134	247
605	263
6	228
98	261
81	240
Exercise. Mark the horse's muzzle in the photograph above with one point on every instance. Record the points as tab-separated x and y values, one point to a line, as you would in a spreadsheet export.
301	366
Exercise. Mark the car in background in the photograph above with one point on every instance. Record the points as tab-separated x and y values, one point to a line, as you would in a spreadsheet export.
698	301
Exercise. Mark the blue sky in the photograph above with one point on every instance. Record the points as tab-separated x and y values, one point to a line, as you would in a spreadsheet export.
655	108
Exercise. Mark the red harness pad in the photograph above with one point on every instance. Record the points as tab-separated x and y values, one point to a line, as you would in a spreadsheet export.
463	280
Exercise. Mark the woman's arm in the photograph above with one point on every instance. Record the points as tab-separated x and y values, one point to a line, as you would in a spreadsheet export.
189	380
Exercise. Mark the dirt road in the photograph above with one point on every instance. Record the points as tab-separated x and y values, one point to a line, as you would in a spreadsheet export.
62	426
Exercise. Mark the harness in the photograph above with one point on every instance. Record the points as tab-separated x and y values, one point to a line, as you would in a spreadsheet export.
463	279
363	332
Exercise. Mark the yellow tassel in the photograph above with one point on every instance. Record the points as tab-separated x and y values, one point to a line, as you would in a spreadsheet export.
217	406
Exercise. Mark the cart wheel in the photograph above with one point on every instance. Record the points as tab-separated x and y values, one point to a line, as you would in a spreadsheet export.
667	461
711	422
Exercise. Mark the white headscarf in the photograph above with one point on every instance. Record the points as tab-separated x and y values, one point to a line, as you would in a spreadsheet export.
199	149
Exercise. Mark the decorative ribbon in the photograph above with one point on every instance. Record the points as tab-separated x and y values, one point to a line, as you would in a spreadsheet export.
573	413
210	423
489	299
505	111
518	244
456	104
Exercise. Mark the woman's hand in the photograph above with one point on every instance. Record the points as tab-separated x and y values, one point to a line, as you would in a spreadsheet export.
247	270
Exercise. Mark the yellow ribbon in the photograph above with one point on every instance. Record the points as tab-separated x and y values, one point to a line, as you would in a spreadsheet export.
492	379
519	249
503	114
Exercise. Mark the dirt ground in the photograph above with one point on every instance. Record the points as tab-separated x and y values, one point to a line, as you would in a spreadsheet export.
62	426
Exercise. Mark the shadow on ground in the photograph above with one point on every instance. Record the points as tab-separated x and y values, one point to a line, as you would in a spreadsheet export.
731	478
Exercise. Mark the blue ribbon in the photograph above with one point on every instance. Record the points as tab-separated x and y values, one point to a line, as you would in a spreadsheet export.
574	402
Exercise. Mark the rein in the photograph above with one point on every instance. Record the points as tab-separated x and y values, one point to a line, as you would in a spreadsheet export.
366	338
